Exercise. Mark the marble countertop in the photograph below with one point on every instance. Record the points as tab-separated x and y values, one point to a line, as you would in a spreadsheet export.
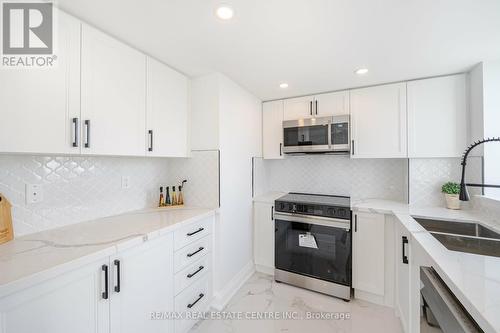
32	258
474	279
268	197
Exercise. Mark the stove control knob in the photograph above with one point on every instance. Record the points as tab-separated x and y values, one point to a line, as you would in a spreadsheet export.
294	208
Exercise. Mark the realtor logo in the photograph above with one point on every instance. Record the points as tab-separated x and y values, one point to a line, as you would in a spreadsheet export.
27	28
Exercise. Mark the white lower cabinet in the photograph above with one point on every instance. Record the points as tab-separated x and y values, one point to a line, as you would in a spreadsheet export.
141	283
368	254
263	247
131	291
402	272
72	302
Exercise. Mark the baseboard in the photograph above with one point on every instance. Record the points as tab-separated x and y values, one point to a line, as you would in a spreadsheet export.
369	297
222	297
264	269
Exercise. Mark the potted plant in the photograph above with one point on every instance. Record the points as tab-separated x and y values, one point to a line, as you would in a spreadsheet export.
451	191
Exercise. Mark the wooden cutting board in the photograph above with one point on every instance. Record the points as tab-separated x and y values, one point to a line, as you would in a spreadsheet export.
6	230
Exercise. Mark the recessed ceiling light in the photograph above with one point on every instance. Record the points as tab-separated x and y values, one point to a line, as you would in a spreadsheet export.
361	71
283	85
224	12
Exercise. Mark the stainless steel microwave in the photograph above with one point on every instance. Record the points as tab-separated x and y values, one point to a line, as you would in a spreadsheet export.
317	135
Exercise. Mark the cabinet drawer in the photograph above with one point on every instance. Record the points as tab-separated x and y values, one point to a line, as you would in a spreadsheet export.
191	233
191	253
191	301
192	273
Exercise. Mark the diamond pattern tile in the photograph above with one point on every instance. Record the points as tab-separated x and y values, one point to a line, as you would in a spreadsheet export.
77	189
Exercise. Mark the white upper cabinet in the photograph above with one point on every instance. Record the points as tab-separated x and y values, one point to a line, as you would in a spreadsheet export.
272	132
113	96
298	108
167	111
378	121
437	111
332	104
38	105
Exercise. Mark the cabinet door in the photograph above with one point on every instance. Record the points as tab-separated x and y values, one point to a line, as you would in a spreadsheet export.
167	111
38	105
113	96
145	285
378	121
264	235
437	117
298	108
272	123
332	104
368	253
402	251
71	302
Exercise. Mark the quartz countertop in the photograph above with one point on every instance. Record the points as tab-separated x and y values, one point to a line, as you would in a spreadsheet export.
474	279
36	257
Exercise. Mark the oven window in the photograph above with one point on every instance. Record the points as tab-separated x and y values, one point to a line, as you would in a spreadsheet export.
306	136
317	251
340	134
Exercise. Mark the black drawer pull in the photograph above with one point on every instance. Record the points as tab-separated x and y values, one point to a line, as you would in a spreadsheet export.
105	270
189	255
195	232
194	273
194	303
405	257
118	274
75	132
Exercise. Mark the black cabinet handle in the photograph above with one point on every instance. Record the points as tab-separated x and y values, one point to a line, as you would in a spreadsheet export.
195	232
272	213
355	223
189	255
87	130
316	103
352	144
405	257
105	292
281	149
75	132
197	300
194	273
150	133
118	276
311	108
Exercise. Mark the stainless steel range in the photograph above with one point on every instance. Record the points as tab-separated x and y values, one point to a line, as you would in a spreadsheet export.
313	243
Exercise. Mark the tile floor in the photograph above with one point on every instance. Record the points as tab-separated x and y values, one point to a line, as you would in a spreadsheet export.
262	293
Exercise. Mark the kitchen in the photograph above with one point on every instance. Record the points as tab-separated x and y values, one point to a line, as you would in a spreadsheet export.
195	167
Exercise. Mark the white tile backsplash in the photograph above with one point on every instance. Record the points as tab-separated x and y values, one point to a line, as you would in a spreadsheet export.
333	174
201	171
77	189
426	176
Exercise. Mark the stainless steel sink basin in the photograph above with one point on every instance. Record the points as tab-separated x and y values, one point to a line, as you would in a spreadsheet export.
463	236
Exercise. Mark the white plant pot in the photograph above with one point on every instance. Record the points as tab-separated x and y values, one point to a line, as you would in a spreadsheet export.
452	201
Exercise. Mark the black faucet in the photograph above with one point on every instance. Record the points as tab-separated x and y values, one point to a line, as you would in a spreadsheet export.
464	194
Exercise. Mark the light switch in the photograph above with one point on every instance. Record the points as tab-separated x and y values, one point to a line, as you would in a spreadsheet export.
34	193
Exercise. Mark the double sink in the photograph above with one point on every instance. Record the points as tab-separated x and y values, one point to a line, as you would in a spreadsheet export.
463	236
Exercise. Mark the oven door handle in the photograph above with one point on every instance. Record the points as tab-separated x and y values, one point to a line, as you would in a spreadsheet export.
316	220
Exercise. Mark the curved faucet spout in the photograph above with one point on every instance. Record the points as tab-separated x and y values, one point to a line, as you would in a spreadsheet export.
464	194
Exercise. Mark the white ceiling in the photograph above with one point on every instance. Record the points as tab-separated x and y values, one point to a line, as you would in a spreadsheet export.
314	45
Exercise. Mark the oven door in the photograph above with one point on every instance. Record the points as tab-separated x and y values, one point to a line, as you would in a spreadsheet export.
340	134
313	246
306	135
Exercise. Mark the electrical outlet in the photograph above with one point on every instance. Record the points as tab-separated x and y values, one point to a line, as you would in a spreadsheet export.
34	193
125	182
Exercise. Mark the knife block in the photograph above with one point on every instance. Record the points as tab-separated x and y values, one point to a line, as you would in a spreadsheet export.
6	230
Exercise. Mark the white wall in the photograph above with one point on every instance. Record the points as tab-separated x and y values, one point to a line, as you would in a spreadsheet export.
231	123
